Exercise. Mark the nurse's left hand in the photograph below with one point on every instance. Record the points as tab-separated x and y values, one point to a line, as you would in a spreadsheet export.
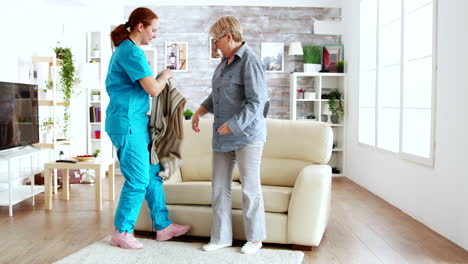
224	129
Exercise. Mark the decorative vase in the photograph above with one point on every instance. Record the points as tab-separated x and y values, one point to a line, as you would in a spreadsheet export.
309	67
47	137
309	95
335	119
96	54
326	111
97	134
47	95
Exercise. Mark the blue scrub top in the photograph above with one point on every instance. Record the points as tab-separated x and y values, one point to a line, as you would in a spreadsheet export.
129	102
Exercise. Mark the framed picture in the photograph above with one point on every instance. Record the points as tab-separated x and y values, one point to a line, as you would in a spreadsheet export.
272	55
151	56
330	55
215	53
176	56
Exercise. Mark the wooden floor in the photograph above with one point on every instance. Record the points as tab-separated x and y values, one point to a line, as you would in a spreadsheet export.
362	229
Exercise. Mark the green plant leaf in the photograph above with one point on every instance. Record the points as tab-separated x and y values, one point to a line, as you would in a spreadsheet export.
188	112
335	104
68	79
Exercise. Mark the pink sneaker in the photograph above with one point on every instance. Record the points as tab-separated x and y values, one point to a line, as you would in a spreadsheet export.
125	240
173	230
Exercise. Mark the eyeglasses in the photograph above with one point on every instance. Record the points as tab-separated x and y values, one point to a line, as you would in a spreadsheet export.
216	41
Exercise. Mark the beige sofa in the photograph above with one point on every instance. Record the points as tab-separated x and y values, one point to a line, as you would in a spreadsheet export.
295	179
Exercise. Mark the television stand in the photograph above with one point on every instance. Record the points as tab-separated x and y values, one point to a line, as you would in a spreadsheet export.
15	191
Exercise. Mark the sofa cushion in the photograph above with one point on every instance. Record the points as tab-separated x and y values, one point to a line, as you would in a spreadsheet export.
196	152
281	172
299	140
276	198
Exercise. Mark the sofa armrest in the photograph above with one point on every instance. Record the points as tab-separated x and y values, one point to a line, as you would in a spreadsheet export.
309	207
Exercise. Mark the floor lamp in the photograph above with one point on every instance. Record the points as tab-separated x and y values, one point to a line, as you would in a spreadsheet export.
295	48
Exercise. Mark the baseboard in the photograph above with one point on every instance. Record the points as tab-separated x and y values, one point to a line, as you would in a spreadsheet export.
301	247
145	233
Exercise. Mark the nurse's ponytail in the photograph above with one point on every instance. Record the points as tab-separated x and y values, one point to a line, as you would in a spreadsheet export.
140	15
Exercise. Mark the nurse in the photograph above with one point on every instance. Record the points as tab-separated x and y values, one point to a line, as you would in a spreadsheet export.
128	83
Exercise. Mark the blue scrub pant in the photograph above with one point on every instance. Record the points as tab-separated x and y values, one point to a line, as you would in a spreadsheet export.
141	182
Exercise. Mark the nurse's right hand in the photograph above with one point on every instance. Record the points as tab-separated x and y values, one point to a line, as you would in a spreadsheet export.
166	74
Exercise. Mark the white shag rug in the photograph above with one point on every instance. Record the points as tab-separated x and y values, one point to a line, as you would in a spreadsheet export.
176	252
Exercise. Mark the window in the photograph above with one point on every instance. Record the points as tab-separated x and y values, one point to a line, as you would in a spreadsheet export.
397	77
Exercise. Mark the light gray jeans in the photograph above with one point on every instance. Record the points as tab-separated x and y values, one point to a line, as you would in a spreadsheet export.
248	161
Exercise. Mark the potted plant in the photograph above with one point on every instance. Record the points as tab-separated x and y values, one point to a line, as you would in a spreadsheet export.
68	79
46	128
340	66
312	58
335	105
61	155
96	96
96	53
46	91
96	153
188	114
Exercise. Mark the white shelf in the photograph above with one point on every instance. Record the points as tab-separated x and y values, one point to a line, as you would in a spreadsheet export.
96	77
54	103
307	100
20	193
18	153
320	84
326	74
11	180
45	102
15	179
93	80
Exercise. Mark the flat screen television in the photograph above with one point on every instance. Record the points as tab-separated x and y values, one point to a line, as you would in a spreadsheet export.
19	115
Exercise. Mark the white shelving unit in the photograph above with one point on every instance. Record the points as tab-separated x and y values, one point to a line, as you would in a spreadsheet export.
95	124
12	189
50	106
316	108
93	82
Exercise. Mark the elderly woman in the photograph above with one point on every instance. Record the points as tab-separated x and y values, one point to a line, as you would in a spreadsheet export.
237	101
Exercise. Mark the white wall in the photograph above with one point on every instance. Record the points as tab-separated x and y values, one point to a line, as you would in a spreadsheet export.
435	196
33	28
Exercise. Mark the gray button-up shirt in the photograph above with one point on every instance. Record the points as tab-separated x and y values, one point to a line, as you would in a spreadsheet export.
238	96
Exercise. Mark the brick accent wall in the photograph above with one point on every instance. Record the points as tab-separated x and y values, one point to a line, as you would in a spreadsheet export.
260	24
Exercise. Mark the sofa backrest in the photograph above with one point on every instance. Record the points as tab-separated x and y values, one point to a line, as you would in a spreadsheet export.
291	145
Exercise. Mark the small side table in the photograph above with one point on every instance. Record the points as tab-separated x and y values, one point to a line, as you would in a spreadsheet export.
98	165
